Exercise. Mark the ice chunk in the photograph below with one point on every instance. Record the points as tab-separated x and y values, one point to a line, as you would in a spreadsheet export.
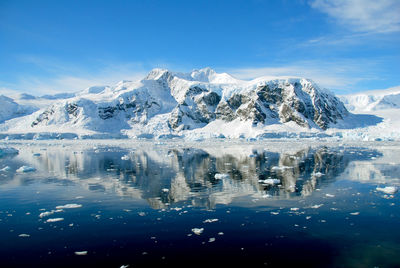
387	189
6	168
69	206
355	213
125	157
318	174
212	239
55	219
197	231
24	235
270	181
46	213
81	253
280	167
26	169
294	209
220	176
330	195
210	220
6	151
317	206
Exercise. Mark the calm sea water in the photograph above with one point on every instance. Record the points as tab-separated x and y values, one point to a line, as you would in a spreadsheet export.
256	205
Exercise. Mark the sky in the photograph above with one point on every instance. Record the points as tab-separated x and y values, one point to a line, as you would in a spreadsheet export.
49	47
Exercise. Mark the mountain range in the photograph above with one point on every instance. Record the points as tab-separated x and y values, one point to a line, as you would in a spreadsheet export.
199	104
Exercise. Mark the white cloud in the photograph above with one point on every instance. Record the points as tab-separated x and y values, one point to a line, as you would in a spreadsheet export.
376	16
340	75
56	76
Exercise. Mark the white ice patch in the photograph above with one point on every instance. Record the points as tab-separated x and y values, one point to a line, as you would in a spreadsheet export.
24	235
55	219
270	181
46	213
212	239
355	213
220	176
81	253
197	231
6	168
330	195
24	169
294	209
210	220
387	189
318	174
280	167
125	157
69	206
317	206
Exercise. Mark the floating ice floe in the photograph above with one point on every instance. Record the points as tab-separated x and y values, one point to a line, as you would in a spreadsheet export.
6	168
318	174
24	235
24	169
294	209
388	189
55	219
212	239
197	231
280	167
274	213
81	253
270	181
330	195
67	206
355	213
317	206
220	176
210	220
6	151
46	213
125	157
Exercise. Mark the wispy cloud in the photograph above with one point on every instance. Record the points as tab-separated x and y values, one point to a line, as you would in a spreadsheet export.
340	75
56	76
363	15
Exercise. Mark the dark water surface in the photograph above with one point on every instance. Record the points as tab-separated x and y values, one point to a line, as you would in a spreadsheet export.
258	205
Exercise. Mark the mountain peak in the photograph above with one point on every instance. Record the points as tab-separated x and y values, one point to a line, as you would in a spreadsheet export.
156	74
203	75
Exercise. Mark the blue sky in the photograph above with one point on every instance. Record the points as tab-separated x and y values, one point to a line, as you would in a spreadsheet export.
56	46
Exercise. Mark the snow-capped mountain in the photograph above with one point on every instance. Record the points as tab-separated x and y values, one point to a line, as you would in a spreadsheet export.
373	100
166	102
10	109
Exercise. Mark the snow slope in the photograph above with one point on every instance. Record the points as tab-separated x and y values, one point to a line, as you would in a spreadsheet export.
384	104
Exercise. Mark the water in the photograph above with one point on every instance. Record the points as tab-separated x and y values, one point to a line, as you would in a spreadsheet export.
259	205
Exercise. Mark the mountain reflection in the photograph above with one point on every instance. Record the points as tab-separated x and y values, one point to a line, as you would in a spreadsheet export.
172	177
